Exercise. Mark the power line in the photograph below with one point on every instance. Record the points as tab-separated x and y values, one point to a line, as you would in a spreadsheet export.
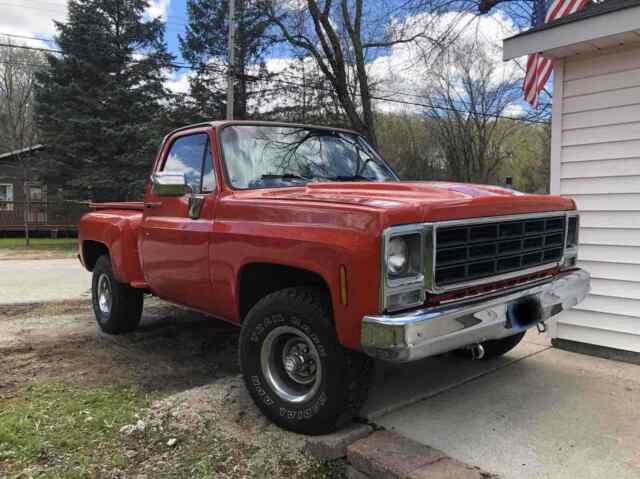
26	47
222	70
423	104
26	37
192	67
184	22
169	19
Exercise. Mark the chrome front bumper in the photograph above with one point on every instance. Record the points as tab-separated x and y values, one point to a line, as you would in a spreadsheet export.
420	333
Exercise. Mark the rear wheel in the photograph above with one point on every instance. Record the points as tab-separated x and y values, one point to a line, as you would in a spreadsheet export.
495	347
294	367
117	306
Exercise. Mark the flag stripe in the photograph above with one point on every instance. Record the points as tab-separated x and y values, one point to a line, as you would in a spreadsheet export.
539	68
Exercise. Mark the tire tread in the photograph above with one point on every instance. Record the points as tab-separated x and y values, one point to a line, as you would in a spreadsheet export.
358	367
127	302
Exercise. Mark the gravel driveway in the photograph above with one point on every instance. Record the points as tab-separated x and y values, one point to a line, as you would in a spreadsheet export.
35	281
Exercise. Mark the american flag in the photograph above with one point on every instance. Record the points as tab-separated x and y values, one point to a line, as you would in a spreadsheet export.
539	68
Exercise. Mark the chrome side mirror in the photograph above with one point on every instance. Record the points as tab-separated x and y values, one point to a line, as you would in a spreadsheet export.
169	183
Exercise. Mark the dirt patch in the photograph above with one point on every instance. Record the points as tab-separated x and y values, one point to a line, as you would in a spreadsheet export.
228	403
59	375
54	308
227	406
174	349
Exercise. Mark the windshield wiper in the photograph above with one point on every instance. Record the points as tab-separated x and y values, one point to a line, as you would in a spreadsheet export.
284	176
349	178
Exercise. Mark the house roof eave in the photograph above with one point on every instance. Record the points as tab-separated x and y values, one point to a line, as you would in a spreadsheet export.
612	19
9	154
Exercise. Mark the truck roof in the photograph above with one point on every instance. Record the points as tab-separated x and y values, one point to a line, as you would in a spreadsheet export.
221	123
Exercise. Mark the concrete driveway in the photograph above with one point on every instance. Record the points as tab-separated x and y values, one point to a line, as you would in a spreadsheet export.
537	412
35	281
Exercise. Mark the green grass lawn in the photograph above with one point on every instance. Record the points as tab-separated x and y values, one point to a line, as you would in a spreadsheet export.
40	244
65	431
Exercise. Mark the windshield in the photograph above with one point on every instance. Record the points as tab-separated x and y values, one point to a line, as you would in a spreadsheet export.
260	156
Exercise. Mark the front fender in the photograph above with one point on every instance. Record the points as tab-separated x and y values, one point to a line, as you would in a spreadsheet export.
275	236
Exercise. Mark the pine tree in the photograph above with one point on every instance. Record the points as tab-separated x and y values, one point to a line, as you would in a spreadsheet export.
205	46
98	103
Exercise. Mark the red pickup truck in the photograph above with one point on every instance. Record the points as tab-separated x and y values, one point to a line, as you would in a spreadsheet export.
306	239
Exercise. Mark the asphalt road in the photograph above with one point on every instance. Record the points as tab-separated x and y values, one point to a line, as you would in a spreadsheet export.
33	281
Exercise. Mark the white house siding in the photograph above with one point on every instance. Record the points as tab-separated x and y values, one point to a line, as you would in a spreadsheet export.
596	161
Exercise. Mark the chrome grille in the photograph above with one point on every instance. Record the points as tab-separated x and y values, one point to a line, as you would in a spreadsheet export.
478	250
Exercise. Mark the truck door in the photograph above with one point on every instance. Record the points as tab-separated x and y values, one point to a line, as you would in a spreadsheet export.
176	230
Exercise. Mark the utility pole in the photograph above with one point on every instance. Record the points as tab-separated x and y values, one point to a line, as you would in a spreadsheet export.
231	46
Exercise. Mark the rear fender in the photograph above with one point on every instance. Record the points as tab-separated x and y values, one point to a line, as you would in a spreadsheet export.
118	232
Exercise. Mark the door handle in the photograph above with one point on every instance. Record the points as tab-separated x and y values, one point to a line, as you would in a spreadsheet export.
195	206
152	205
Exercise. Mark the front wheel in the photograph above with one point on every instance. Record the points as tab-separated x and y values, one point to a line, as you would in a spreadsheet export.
294	367
117	306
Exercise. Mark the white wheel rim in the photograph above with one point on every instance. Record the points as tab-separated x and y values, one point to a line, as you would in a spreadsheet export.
104	294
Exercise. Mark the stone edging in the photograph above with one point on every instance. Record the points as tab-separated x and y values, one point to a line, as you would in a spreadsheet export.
388	455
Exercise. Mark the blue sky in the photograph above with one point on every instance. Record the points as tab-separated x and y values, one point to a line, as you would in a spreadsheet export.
176	18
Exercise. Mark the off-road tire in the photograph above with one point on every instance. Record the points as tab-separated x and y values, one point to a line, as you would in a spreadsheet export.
345	375
495	347
126	302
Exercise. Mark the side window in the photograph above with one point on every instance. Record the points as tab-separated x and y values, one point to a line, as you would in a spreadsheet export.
208	177
188	154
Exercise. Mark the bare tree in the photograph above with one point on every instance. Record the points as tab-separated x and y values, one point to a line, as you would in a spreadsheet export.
344	35
17	126
300	94
407	143
469	97
531	158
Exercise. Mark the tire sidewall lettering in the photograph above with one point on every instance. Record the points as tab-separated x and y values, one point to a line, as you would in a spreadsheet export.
262	390
257	386
306	412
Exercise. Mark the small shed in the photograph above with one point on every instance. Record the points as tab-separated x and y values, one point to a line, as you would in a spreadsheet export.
595	159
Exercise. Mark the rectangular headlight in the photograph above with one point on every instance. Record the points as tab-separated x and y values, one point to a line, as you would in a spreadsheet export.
402	267
572	240
403	257
572	231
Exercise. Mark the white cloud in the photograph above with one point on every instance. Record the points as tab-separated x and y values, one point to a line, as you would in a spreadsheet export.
22	18
178	82
293	5
25	19
515	110
158	8
405	69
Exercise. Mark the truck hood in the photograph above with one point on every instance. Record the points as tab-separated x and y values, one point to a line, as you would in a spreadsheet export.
410	202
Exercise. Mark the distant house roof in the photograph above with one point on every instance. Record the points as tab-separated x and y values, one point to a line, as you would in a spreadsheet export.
9	154
598	27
